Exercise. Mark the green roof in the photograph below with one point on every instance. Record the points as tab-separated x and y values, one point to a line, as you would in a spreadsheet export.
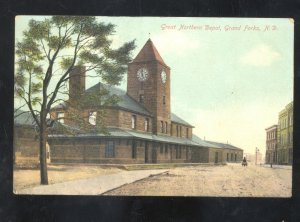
126	102
201	142
224	145
132	134
177	119
23	118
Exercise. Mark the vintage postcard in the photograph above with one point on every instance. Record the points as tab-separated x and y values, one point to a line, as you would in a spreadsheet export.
153	106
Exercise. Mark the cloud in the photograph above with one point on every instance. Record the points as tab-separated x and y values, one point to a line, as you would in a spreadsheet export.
262	55
175	42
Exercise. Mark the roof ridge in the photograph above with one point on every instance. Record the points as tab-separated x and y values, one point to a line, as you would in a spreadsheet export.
149	53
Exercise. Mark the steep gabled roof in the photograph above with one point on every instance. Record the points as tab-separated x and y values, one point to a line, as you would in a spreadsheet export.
149	53
126	102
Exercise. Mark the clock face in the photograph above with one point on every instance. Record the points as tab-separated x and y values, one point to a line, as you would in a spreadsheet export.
142	74
163	76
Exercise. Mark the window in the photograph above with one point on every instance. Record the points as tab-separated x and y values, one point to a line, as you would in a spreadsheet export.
147	124
60	117
180	130
110	149
142	99
187	132
166	148
164	100
187	153
133	121
92	118
161	148
166	127
133	149
176	150
177	131
142	85
179	152
227	156
161	126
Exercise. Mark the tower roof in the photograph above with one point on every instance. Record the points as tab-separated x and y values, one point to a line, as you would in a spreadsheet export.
149	53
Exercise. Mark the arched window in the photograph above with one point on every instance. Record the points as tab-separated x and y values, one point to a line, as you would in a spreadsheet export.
92	118
142	98
133	121
60	117
147	124
166	127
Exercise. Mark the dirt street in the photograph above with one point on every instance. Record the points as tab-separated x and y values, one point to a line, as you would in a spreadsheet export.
228	181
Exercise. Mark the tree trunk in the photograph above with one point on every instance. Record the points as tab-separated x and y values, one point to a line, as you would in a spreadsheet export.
43	154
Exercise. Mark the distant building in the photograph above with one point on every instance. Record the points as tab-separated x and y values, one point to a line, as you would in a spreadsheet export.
285	135
271	144
231	153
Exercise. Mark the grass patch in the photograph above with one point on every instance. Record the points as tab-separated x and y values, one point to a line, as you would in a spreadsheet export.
161	166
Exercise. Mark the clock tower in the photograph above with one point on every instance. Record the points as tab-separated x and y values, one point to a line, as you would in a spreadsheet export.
148	82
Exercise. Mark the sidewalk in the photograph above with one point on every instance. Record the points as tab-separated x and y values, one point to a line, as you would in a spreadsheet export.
288	167
91	186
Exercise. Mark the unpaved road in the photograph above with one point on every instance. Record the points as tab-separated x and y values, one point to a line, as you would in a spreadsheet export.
225	181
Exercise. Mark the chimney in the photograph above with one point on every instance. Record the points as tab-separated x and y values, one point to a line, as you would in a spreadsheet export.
77	82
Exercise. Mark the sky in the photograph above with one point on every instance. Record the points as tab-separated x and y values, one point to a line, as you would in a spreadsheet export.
230	77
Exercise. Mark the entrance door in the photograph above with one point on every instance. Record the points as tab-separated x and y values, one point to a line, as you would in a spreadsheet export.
146	152
216	157
154	153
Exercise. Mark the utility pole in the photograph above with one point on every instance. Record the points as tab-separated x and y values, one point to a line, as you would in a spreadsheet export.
271	161
256	151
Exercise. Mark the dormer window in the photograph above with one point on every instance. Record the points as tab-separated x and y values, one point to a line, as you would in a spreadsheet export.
92	118
133	121
147	124
166	127
142	98
60	117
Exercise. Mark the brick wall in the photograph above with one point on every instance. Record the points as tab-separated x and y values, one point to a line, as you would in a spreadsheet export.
26	145
232	153
199	155
156	94
94	151
86	150
125	119
212	155
183	130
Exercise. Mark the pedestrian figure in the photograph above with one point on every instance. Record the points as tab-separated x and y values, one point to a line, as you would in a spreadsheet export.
244	163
